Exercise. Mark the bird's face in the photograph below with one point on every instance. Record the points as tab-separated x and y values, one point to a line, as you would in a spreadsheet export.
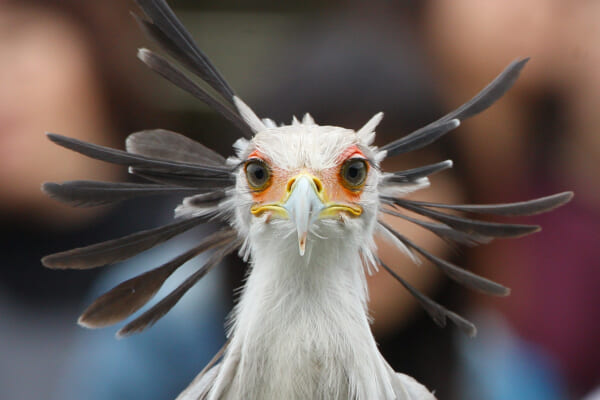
312	181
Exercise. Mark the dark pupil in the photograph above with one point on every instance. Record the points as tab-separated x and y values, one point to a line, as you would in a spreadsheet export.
259	173
355	172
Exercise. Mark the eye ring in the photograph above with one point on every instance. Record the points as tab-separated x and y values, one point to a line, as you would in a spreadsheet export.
258	174
354	173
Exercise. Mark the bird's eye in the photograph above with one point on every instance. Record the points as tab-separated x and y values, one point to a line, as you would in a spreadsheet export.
354	173
257	174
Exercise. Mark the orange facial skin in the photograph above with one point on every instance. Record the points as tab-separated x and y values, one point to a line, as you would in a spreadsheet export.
276	188
334	189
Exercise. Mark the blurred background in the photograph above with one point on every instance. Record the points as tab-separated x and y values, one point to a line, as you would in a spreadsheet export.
69	67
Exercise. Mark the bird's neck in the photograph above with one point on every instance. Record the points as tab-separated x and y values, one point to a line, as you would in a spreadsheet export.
304	320
327	282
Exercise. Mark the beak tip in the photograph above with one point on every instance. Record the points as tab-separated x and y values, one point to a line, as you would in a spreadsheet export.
302	243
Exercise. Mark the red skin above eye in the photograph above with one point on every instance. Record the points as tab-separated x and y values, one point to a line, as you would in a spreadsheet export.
334	189
350	152
256	154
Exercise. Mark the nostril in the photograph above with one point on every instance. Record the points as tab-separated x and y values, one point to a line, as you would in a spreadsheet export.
289	185
318	185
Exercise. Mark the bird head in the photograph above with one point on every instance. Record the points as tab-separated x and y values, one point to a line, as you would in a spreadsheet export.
308	181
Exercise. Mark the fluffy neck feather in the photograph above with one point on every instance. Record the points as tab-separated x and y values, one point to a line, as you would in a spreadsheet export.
303	320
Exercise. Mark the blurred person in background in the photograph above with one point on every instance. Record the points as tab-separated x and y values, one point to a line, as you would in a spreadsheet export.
544	340
68	67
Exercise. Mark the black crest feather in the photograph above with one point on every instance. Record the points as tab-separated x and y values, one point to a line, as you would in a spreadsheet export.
482	100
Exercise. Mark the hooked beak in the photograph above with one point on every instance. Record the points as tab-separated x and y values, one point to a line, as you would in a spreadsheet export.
304	205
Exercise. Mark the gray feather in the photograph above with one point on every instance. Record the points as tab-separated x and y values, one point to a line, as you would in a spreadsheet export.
493	229
169	32
155	313
205	200
173	74
521	208
95	193
120	157
488	96
128	297
119	249
411	175
167	145
444	231
436	311
462	276
191	181
420	138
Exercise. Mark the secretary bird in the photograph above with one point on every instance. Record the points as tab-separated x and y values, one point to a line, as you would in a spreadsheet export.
302	204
